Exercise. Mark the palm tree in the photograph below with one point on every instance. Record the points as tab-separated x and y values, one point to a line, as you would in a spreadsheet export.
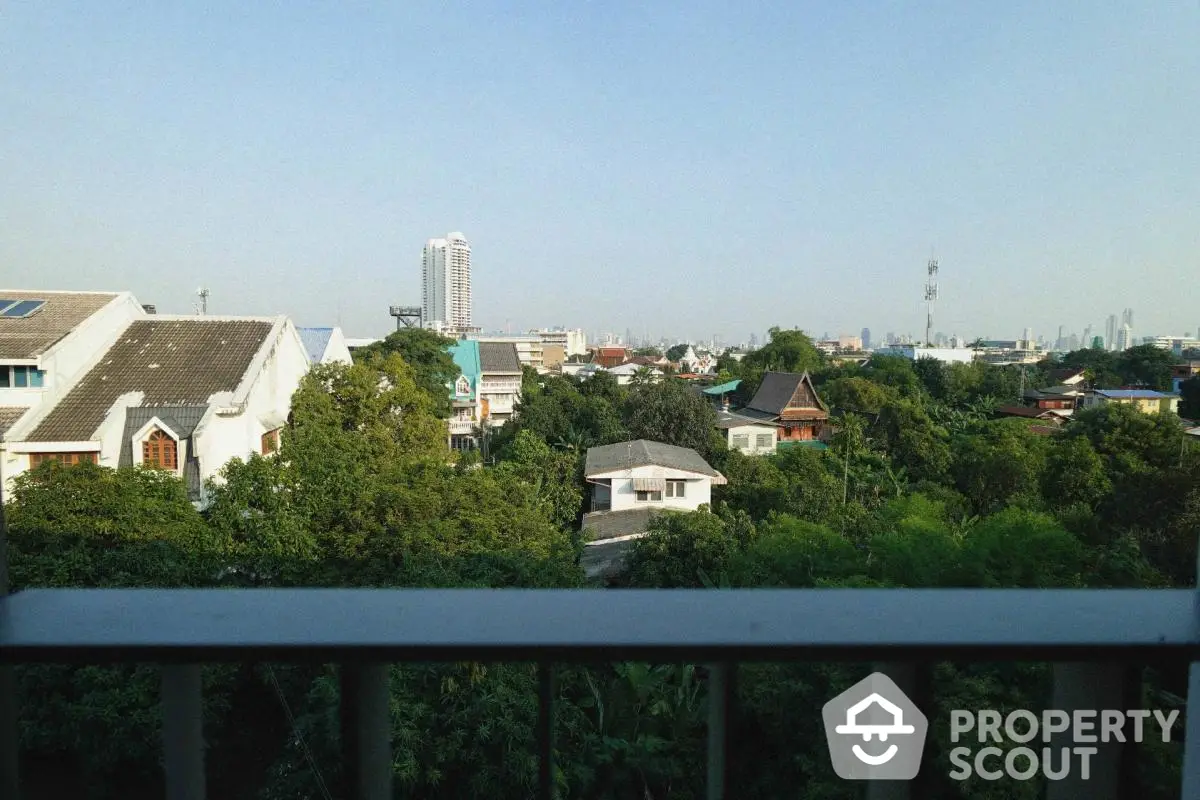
574	440
850	438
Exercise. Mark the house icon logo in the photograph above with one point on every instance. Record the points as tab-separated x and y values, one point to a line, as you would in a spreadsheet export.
875	732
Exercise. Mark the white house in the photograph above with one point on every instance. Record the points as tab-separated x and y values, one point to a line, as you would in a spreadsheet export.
325	345
752	437
643	474
626	373
630	482
181	393
47	340
499	382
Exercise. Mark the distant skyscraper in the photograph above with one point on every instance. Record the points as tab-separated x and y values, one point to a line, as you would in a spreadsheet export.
1124	338
866	338
753	341
1110	332
446	281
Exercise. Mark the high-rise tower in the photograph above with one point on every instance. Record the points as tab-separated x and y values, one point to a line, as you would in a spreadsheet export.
446	281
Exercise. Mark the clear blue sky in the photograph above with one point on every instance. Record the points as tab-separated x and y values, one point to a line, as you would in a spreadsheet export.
687	167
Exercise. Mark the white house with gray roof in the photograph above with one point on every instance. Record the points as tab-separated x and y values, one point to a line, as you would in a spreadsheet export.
182	393
629	483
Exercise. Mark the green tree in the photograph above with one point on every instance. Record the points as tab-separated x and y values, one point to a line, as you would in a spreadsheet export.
1146	365
553	476
1189	398
675	352
671	412
999	466
682	550
1075	475
427	353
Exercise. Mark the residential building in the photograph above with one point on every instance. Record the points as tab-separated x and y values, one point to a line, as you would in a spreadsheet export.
609	356
789	402
1144	400
553	357
1176	344
628	371
530	348
631	481
446	281
499	382
180	393
1063	398
325	345
946	355
47	341
751	437
572	341
466	411
581	371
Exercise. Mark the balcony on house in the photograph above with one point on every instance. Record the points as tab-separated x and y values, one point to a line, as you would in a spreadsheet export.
1095	637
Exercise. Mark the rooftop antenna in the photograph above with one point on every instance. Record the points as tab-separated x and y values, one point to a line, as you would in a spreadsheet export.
931	294
202	308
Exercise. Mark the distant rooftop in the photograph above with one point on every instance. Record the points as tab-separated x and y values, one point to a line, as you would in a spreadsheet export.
60	313
641	453
1133	394
315	341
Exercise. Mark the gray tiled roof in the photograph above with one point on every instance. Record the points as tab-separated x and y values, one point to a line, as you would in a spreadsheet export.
173	362
9	416
775	391
180	419
640	453
31	336
600	525
499	357
729	419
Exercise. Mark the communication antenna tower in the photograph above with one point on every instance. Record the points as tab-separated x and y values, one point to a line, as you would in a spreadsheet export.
931	295
202	306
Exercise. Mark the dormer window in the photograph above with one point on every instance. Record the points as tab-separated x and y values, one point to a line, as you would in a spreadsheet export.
462	386
159	450
21	377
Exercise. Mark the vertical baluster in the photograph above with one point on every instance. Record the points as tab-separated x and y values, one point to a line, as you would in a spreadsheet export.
1085	686
545	730
10	743
183	732
366	731
904	675
720	696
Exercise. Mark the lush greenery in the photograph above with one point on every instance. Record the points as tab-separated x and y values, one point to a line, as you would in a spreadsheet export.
922	486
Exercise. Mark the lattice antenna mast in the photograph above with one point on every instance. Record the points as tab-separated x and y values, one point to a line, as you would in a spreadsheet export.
931	295
202	306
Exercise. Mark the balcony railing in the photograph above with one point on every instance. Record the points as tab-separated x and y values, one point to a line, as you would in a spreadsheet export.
1094	636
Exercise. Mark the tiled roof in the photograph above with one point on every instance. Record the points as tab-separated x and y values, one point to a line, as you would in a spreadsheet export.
172	362
9	416
727	419
315	341
640	453
499	357
29	337
1133	394
600	525
776	391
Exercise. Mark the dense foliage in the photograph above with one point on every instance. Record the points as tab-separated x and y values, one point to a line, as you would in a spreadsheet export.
922	487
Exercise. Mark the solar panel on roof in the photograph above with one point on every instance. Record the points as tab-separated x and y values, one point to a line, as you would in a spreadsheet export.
5	303
22	309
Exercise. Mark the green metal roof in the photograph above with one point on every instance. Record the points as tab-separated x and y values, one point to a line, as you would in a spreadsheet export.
815	444
466	356
724	388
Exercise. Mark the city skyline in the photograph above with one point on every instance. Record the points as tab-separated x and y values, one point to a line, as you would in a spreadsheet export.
683	170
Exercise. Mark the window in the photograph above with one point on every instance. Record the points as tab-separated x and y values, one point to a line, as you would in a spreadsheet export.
676	488
647	497
65	459
159	450
741	440
763	441
270	442
21	377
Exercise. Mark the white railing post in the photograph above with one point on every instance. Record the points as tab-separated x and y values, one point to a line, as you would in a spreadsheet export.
366	731
183	732
1089	687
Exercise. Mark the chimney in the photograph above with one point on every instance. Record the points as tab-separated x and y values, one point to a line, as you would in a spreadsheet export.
150	309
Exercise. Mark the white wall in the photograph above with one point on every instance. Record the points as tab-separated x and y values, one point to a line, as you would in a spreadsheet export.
697	493
267	395
753	431
947	355
336	351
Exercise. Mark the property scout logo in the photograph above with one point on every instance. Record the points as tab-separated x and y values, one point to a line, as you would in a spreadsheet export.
876	733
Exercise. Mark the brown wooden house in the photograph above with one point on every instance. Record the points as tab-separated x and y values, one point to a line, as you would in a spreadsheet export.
789	401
